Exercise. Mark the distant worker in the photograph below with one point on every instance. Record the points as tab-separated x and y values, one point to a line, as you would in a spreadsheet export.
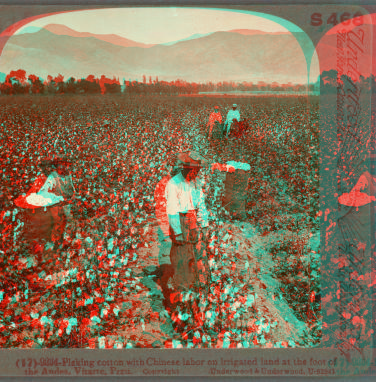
166	121
107	127
214	117
231	115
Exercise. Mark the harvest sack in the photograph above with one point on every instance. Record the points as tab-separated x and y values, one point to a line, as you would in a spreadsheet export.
189	260
38	224
235	193
46	223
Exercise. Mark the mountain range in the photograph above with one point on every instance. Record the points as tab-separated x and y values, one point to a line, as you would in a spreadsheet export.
238	55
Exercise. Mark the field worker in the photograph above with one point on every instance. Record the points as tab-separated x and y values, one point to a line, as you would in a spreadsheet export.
167	121
35	198
215	116
108	128
187	214
231	115
165	270
36	206
59	183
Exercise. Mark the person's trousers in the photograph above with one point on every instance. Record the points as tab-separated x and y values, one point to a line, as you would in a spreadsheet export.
210	133
59	222
227	128
189	260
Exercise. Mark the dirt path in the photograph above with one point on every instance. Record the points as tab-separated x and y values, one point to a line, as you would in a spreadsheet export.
251	248
246	248
296	328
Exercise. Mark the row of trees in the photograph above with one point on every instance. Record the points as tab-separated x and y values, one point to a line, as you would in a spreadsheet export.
331	81
17	82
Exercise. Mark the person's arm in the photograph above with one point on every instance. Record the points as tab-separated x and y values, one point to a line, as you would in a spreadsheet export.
173	208
38	183
49	184
210	118
202	213
72	185
45	196
71	181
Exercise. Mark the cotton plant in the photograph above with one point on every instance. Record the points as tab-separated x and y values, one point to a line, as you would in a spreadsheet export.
191	128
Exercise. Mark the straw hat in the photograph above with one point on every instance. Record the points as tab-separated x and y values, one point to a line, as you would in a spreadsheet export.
62	161
191	159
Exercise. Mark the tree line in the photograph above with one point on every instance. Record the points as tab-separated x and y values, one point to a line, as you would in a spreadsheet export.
332	81
18	82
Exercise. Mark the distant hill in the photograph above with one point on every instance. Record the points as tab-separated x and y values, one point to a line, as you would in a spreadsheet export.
251	32
220	56
194	36
59	30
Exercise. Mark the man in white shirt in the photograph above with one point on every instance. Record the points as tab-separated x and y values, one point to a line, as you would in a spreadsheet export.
188	221
231	115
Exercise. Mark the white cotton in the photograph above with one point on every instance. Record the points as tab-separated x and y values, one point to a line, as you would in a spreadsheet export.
118	345
236	305
44	199
239	165
250	300
102	342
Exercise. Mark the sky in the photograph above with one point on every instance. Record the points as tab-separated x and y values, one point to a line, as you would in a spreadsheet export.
158	25
153	25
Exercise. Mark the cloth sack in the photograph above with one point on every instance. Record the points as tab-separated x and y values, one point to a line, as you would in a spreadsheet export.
236	193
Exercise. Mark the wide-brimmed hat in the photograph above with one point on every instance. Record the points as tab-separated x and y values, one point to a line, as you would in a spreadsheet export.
46	162
191	159
234	105
216	107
